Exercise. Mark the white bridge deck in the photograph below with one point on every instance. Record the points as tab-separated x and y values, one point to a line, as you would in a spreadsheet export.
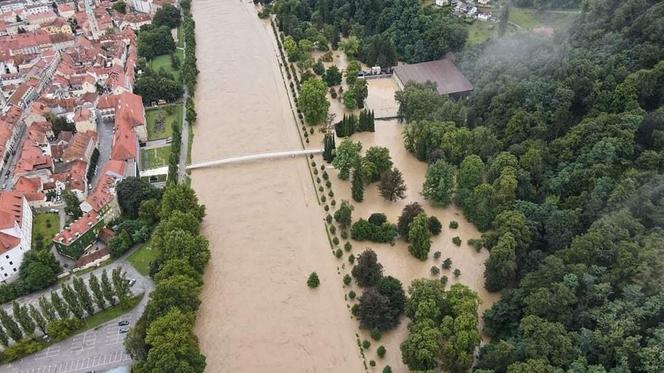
253	157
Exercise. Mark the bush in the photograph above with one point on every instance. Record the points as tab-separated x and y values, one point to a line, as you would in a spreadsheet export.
328	219
447	263
381	351
443	280
372	363
435	271
377	218
457	273
348	246
333	229
375	334
435	227
456	240
329	184
344	234
320	189
363	230
387	369
335	240
436	255
323	198
333	203
313	280
366	344
351	294
351	258
355	310
476	244
338	253
347	279
454	224
326	208
325	175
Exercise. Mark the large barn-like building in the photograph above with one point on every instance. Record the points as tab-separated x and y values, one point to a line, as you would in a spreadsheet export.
448	79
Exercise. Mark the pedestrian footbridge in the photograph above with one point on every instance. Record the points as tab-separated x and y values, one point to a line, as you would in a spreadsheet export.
254	157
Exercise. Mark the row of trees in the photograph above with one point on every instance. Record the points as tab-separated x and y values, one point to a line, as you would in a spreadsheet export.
351	124
163	338
62	314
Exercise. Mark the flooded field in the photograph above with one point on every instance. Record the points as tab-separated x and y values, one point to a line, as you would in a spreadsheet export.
263	220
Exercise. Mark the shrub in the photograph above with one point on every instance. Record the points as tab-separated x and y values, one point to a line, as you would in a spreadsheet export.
316	172
351	258
456	240
328	184
323	198
457	273
320	189
333	229
454	224
326	208
443	280
362	230
435	271
347	279
435	227
325	175
387	369
351	294
381	351
311	131
322	167
335	240
366	344
348	246
330	193
328	219
338	253
333	203
377	218
375	334
436	255
344	234
355	310
313	163
313	280
476	244
447	263
372	363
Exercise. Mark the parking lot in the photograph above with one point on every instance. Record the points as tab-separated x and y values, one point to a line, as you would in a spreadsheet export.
96	349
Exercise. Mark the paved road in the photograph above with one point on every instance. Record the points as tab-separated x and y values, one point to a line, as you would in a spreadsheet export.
13	157
105	141
156	144
184	148
100	348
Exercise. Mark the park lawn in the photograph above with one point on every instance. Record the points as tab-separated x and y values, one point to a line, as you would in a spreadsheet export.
531	18
164	62
479	32
166	115
40	226
155	157
142	258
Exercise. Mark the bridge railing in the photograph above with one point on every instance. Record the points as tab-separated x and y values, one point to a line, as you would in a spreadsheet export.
254	157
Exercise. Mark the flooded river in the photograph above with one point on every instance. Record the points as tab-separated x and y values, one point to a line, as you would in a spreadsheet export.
263	220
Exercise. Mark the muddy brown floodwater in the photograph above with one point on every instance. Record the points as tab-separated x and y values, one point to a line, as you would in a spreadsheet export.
263	220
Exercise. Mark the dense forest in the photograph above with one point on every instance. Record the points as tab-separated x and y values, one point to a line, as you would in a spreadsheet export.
383	28
559	154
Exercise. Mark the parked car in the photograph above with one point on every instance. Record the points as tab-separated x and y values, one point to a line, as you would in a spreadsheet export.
132	282
123	323
124	330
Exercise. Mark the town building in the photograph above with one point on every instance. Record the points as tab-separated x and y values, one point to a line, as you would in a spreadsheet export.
15	233
448	79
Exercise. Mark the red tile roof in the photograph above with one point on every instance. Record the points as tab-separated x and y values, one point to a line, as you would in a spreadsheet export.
11	209
77	228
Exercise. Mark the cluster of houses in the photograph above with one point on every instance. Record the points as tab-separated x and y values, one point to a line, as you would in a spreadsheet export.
67	62
470	9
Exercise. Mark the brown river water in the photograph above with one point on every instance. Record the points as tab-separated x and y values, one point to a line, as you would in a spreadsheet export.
264	222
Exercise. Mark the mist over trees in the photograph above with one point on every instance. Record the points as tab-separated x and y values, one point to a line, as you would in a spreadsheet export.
559	158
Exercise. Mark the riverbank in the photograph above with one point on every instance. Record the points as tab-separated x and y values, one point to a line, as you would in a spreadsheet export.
263	219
